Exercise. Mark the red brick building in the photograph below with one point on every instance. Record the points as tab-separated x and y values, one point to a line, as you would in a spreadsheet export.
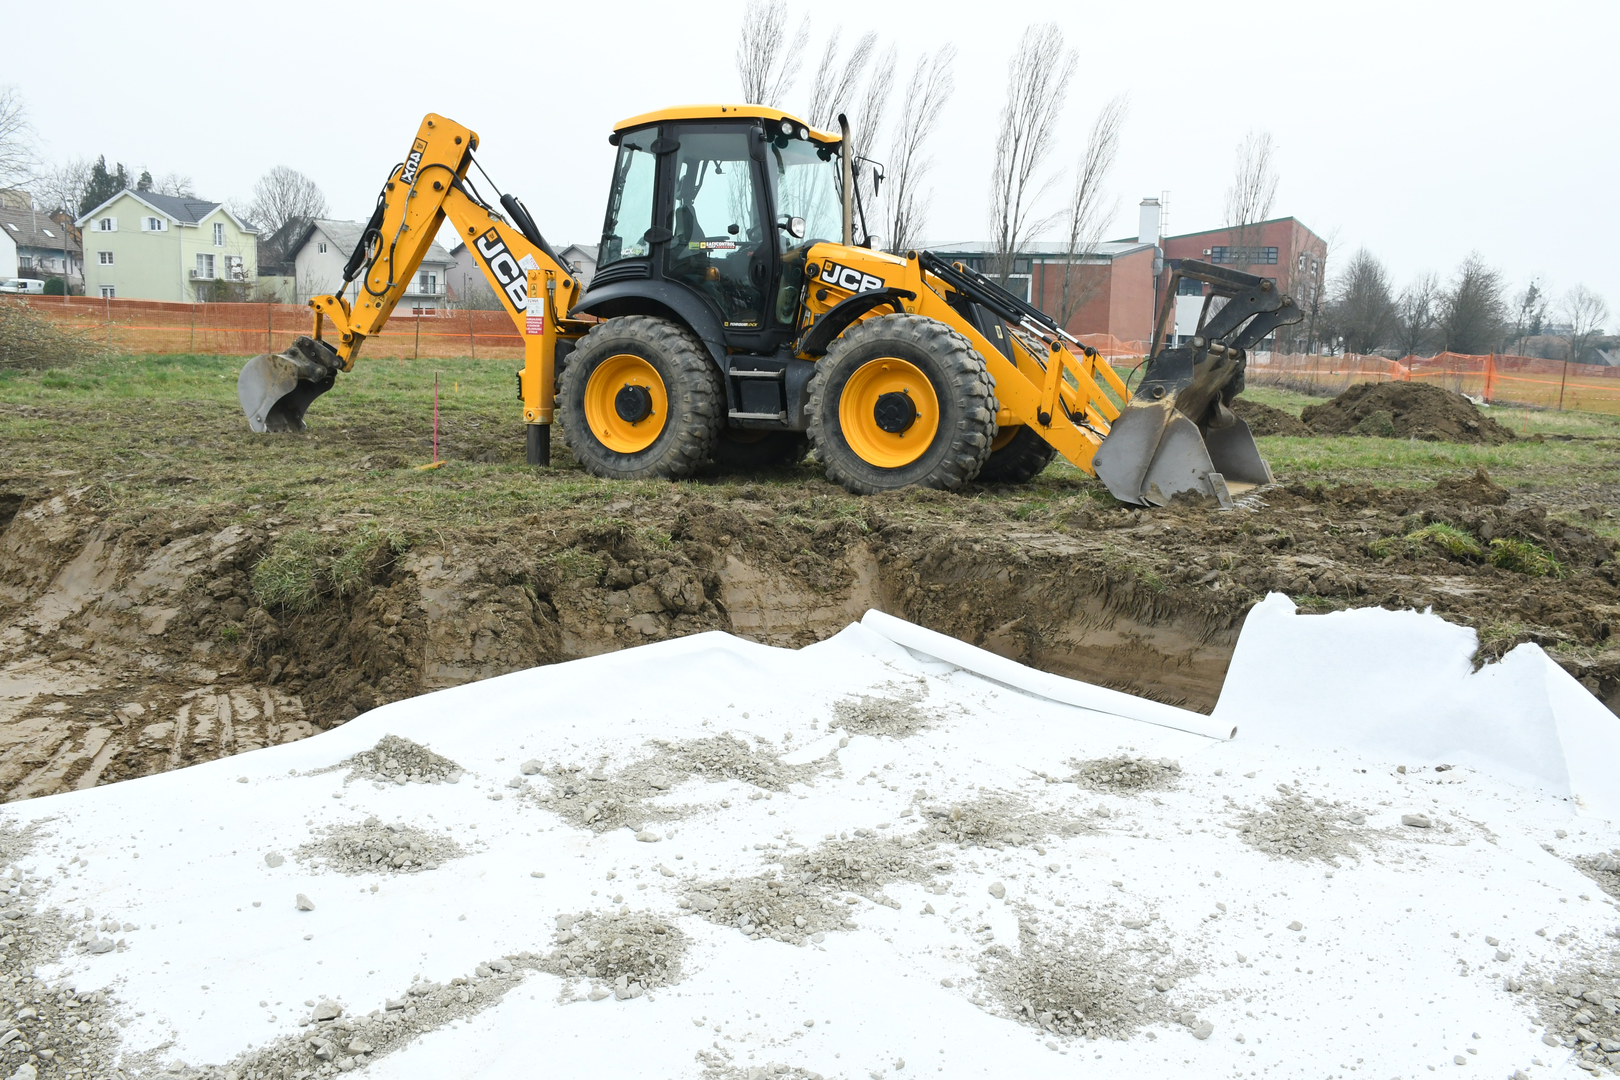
1282	249
1111	290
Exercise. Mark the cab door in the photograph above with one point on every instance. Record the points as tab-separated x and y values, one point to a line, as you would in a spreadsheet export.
723	247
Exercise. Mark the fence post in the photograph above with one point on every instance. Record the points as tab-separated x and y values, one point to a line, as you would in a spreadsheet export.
416	351
1562	379
472	342
192	347
269	328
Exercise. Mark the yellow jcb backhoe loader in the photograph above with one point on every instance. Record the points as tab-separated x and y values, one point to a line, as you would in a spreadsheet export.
734	315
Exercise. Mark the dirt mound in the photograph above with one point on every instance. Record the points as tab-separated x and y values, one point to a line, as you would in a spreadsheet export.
1476	490
375	848
1125	773
1265	420
1405	410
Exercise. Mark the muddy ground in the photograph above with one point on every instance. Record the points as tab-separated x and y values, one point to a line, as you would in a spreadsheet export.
185	609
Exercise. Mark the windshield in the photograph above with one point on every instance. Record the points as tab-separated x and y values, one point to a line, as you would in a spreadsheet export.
809	184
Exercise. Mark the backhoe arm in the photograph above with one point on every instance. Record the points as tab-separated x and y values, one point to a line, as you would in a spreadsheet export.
430	186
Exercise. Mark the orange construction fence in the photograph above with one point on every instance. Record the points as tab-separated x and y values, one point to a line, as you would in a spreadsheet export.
1500	379
246	329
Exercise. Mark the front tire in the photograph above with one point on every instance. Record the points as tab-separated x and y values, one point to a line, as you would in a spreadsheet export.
901	400
1017	456
641	399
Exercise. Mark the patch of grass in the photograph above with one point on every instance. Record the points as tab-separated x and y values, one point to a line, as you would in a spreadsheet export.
1453	542
572	562
657	539
303	565
289	576
1523	557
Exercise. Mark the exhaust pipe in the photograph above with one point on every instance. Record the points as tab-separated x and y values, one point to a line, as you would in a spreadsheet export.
275	389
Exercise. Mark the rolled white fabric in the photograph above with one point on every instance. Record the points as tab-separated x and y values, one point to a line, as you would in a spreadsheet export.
1041	683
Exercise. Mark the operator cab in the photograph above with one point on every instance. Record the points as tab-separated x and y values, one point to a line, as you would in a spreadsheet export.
710	214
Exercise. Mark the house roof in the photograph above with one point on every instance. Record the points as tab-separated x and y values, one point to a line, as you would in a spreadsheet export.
184	209
1109	249
1229	228
345	235
30	229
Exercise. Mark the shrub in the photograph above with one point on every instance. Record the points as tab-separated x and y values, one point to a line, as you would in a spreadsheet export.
30	340
55	287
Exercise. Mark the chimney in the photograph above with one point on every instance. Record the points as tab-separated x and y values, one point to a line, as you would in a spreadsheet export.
1148	232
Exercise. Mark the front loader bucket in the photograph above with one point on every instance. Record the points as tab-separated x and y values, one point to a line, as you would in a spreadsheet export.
276	388
1154	453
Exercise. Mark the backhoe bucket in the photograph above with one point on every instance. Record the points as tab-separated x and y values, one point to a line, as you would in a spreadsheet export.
1154	453
276	388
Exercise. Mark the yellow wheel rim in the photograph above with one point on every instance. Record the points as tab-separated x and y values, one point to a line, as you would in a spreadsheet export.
888	412
626	403
1004	436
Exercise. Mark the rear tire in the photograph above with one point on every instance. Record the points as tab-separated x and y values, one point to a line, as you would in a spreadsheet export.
1018	460
640	370
749	449
896	376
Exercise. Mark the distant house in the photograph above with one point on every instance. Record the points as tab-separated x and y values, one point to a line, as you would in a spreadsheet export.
324	247
45	248
8	255
146	246
470	288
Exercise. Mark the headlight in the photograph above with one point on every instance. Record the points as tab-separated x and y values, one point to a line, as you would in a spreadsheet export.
787	127
804	133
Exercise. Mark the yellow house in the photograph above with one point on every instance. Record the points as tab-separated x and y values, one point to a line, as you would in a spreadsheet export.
143	246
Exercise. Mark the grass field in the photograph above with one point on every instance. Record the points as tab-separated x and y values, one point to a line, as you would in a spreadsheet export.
165	431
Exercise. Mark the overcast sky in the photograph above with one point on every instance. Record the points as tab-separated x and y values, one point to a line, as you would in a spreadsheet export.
1422	130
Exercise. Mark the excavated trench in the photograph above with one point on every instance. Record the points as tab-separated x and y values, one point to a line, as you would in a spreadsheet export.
127	649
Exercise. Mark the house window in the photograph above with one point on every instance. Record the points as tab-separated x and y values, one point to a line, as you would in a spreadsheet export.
107	224
104	258
428	284
321	247
219	234
25	262
108	292
1190	287
233	268
205	267
154	224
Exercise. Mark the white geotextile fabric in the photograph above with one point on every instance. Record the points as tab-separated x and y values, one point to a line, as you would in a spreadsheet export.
1401	685
181	855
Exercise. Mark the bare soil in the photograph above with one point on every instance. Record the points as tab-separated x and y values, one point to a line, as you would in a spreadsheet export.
1265	419
1405	410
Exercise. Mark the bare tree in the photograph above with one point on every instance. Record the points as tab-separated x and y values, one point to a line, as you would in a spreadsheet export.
931	85
1363	311
1090	210
1471	311
281	195
1586	312
838	81
176	184
1417	315
61	187
1529	313
1038	80
1249	199
17	147
767	63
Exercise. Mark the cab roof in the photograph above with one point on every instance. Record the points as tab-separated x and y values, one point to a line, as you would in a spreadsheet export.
722	112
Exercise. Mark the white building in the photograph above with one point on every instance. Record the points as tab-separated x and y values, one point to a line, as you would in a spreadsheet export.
325	247
8	255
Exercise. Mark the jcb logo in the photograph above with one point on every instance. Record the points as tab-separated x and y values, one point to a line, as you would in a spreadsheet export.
413	161
847	277
513	280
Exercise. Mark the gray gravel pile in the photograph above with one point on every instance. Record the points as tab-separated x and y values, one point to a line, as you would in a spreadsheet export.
64	1035
790	910
1581	1011
47	1025
1603	869
993	822
717	1067
1292	828
623	955
862	865
895	715
1076	985
401	761
373	847
333	1041
1126	772
601	800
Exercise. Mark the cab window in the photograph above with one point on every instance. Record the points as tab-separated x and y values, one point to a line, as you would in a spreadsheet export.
630	200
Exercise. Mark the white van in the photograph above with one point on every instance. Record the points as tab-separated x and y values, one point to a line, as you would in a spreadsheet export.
23	285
